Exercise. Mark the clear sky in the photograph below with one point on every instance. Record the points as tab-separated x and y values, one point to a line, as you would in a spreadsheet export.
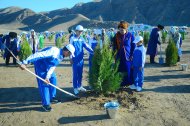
41	5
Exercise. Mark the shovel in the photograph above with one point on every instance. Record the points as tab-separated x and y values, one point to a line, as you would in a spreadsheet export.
161	59
42	78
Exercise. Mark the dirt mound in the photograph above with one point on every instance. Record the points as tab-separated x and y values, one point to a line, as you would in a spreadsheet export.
125	97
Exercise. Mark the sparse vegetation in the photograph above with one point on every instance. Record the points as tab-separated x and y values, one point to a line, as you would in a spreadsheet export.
104	77
171	53
25	50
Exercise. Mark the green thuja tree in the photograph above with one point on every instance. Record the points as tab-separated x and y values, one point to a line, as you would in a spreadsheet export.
104	76
51	37
182	35
146	38
171	53
164	36
63	39
58	42
25	50
94	73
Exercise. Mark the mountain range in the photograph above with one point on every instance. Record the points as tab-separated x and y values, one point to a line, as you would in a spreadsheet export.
100	13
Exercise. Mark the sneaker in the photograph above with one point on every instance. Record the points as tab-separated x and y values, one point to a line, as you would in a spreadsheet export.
55	101
47	108
76	91
139	89
82	89
132	87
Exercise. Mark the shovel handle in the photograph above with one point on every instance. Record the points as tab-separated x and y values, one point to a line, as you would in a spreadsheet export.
50	83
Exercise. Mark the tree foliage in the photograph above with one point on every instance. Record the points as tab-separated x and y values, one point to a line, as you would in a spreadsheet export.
146	38
25	50
51	37
104	76
171	53
60	40
164	36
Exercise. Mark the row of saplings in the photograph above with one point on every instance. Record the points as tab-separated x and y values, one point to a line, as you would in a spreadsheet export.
104	77
26	51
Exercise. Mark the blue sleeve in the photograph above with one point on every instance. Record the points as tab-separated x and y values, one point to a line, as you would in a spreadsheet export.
88	48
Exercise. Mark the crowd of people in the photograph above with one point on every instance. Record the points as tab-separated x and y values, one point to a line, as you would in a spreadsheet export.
129	48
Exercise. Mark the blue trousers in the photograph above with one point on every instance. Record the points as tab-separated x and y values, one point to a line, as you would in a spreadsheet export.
77	74
128	73
138	76
47	92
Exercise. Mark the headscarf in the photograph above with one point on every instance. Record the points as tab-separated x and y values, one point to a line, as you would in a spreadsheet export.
123	24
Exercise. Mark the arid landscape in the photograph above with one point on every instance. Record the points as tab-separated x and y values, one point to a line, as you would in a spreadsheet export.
98	14
164	101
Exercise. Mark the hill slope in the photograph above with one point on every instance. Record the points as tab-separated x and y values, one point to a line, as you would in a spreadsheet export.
166	12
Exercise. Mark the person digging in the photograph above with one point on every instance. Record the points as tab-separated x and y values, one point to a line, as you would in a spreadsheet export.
45	62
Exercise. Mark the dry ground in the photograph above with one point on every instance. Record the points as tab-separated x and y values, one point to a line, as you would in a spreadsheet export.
165	100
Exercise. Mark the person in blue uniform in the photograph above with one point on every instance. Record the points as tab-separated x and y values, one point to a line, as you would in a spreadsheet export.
45	62
77	62
153	42
139	57
10	42
124	46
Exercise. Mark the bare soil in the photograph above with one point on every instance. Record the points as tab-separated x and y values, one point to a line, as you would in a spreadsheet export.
164	101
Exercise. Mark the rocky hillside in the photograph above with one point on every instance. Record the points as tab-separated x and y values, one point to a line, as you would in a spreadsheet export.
166	12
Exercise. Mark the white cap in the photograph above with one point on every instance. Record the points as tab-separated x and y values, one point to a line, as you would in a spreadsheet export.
71	48
138	39
79	28
32	30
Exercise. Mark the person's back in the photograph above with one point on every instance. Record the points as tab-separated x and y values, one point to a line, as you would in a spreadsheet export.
49	58
154	36
154	40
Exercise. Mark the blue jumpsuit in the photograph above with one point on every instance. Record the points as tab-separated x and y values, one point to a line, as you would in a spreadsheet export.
139	56
78	61
124	55
45	62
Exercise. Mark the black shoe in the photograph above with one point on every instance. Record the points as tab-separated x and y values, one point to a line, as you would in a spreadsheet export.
47	108
55	101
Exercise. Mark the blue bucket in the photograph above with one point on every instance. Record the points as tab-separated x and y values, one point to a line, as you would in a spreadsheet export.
111	109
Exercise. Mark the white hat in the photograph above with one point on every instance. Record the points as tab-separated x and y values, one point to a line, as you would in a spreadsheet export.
32	30
79	28
71	48
138	39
